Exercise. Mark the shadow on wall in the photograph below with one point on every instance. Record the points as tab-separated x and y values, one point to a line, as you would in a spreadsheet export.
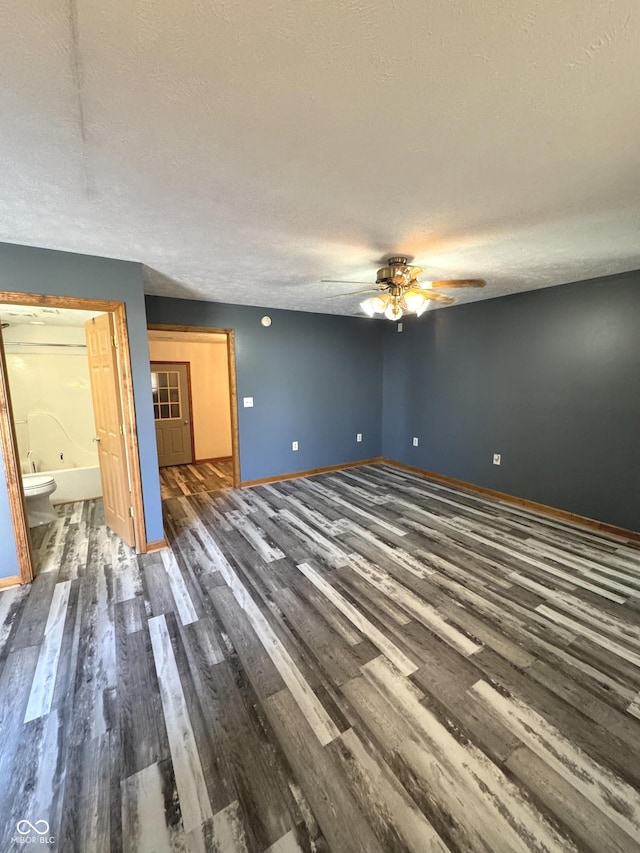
163	285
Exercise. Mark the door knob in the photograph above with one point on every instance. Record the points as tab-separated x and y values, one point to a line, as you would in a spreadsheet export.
95	439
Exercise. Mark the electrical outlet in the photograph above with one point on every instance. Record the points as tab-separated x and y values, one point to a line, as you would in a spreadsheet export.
497	458
247	402
415	441
359	437
294	445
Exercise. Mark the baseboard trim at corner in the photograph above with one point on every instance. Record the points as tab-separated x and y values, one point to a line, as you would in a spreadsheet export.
213	459
12	580
560	514
310	473
158	545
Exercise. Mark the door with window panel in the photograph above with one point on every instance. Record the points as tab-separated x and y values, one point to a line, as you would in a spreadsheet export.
172	412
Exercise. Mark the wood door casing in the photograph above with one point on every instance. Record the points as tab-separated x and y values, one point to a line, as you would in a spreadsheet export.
107	413
171	387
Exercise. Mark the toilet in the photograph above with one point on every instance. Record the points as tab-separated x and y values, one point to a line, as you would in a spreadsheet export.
37	491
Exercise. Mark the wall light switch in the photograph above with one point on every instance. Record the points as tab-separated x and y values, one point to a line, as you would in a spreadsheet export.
399	327
294	445
497	458
359	437
415	441
247	402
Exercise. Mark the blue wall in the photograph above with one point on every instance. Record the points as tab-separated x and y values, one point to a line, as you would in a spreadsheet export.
314	378
30	270
550	379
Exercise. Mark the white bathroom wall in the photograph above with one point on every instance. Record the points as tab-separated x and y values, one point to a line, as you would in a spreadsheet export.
51	396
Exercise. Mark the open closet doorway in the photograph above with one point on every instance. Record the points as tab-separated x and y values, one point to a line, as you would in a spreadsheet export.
67	426
195	408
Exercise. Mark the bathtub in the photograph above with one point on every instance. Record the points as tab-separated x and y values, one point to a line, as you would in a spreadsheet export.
75	484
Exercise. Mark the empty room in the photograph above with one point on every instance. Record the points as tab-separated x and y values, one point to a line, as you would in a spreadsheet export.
319	417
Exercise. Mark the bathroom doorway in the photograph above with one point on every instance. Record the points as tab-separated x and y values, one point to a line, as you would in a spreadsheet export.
55	438
198	439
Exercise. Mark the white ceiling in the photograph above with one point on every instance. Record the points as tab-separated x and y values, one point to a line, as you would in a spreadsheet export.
31	315
245	150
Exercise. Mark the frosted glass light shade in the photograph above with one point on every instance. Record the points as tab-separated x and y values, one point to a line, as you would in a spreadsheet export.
414	300
367	307
394	311
380	302
375	304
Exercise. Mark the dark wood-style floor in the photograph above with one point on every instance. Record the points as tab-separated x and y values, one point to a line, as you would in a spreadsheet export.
360	661
177	480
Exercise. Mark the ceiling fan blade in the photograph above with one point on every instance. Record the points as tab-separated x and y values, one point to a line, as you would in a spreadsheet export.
438	297
459	282
335	281
353	292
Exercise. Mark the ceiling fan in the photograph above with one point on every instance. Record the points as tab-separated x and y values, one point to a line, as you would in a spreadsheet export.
398	291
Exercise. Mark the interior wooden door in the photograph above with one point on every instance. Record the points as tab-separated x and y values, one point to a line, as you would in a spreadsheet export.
107	413
172	411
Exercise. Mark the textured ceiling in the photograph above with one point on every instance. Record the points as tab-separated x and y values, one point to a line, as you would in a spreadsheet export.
245	150
29	315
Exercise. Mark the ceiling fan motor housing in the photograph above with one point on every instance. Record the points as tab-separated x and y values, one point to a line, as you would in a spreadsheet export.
396	271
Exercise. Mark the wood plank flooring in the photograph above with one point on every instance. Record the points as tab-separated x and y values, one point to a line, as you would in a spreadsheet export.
177	480
357	661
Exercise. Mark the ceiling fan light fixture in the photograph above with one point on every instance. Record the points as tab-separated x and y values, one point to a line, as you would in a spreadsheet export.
367	307
400	292
414	300
380	302
375	304
393	311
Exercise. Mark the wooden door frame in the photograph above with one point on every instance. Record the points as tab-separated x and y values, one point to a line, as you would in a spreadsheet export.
186	364
233	387
8	440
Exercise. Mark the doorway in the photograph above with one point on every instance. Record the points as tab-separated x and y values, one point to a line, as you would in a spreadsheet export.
172	412
204	360
106	350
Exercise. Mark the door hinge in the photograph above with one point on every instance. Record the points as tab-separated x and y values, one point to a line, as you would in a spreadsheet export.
115	342
121	429
131	511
